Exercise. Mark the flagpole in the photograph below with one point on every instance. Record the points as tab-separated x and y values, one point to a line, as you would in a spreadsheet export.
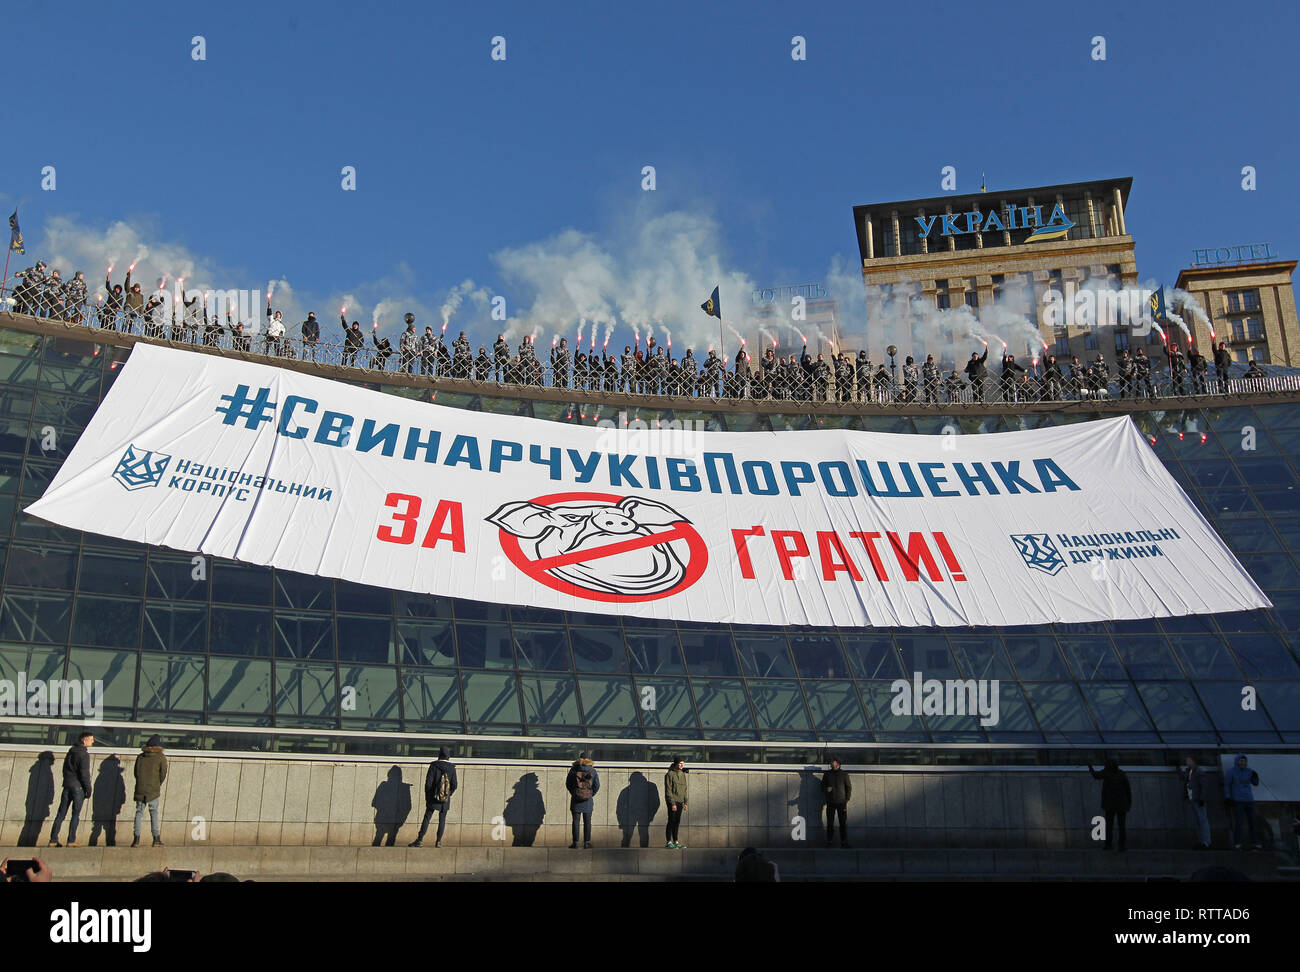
8	251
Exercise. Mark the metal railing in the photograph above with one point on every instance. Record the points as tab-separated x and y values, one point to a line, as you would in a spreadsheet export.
486	369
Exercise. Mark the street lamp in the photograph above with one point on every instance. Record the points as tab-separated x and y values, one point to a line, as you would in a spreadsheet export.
891	351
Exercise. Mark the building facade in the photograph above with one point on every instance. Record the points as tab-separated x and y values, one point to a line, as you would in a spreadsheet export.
218	655
1249	303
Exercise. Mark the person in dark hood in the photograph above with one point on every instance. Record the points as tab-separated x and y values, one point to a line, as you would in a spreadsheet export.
383	350
675	794
310	336
1222	362
1116	800
1238	792
753	867
353	341
76	787
150	774
1194	789
583	783
838	789
439	785
976	370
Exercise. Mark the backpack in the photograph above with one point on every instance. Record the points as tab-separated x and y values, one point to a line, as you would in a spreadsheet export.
582	790
442	789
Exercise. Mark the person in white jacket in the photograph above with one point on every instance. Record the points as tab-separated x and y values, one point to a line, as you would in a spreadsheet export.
274	331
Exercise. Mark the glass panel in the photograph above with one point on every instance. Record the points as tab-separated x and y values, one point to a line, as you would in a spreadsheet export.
34	663
1037	658
116	668
303	636
1014	723
655	652
366	639
431	697
239	685
1205	656
722	703
484	645
608	701
1059	709
110	573
35	617
41	565
1223	701
982	657
376	691
835	706
175	580
362	599
709	652
779	704
1147	657
303	592
878	696
763	655
175	627
1118	709
1282	700
106	622
668	704
1263	656
927	654
305	689
819	656
240	631
421	605
1092	657
491	697
550	699
240	583
171	682
1174	706
873	656
1272	571
599	649
426	642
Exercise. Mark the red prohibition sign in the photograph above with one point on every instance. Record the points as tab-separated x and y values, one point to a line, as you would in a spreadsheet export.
539	570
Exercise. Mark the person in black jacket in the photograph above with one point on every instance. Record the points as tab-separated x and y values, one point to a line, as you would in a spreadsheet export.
583	783
76	787
310	336
976	370
353	341
838	788
383	350
1222	361
1116	799
439	785
1195	788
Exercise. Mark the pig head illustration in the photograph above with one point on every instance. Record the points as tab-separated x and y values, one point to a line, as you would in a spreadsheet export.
545	532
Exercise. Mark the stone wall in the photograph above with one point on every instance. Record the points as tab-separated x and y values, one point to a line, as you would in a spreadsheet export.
301	801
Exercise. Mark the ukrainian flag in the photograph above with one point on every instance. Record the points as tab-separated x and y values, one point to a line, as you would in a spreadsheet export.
15	234
1157	304
713	306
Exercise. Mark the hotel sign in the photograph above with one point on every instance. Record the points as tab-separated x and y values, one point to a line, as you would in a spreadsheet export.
1013	217
1247	253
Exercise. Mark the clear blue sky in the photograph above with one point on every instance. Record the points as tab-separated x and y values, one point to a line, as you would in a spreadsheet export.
236	159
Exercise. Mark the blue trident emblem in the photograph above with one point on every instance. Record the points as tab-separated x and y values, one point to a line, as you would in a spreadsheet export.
136	470
1038	552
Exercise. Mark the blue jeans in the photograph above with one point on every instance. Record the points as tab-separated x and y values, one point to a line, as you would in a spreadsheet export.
1201	819
153	817
73	795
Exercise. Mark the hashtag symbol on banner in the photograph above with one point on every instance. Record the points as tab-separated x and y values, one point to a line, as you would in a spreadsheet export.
241	405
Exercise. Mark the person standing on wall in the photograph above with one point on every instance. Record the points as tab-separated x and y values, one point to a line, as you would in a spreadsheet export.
1239	795
1116	800
1194	790
150	774
583	783
439	784
675	794
76	787
838	788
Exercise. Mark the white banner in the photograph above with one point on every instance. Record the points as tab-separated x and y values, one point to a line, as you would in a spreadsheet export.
268	466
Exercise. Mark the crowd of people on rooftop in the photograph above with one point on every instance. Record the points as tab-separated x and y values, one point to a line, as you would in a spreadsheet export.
649	370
